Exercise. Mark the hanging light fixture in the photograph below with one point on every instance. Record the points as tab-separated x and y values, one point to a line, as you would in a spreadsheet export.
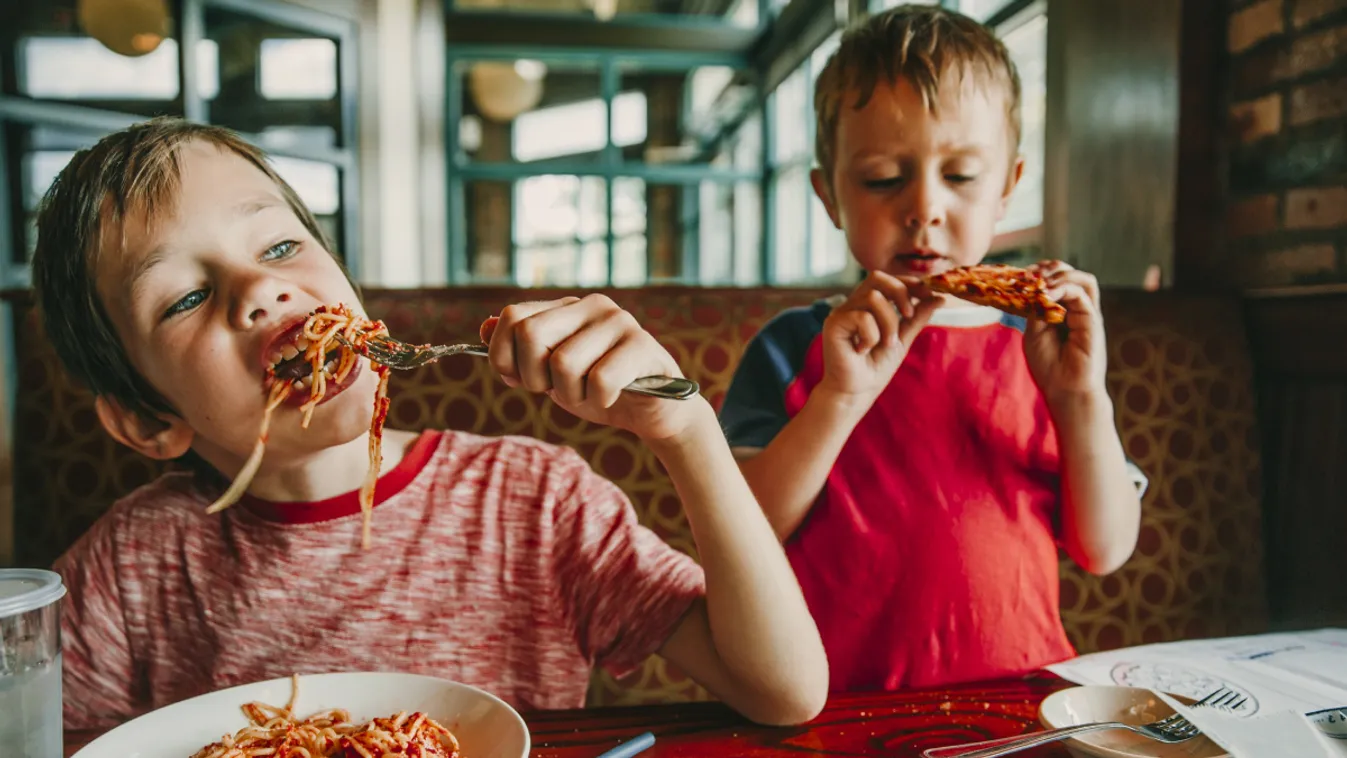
504	89
604	10
127	27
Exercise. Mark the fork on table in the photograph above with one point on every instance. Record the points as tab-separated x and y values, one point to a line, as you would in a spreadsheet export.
401	355
1169	730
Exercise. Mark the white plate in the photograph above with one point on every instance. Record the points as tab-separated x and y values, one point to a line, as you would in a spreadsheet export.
486	727
1129	705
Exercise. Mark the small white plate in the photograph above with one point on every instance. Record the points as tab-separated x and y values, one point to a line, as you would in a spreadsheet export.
486	727
1129	705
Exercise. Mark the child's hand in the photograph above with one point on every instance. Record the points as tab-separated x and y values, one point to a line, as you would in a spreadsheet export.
581	353
866	338
1068	361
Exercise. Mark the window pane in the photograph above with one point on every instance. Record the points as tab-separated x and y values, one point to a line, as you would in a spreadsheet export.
706	84
748	144
981	9
527	110
790	111
1028	46
730	233
747	234
571	129
629	230
661	118
563	265
629	119
716	233
682	111
630	261
560	209
82	69
629	211
272	76
41	153
299	69
792	198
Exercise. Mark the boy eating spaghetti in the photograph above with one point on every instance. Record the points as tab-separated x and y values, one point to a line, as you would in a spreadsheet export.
923	458
175	271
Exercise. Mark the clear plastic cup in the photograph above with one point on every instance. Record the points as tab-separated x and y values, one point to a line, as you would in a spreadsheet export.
30	663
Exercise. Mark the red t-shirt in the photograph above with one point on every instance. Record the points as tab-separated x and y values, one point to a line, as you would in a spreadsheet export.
504	563
930	556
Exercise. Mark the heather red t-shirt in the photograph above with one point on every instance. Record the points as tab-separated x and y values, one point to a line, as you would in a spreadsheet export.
930	556
504	563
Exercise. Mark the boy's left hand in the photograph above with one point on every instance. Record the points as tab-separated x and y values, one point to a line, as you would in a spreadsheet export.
581	352
1068	362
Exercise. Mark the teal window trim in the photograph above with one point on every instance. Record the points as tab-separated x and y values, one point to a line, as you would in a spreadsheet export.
609	166
664	21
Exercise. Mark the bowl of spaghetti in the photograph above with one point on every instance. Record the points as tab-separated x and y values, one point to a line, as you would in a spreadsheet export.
348	715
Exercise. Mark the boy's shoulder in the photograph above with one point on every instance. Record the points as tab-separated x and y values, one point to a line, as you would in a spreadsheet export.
801	322
154	513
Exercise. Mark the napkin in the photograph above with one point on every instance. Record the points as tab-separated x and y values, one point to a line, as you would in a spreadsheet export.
1273	735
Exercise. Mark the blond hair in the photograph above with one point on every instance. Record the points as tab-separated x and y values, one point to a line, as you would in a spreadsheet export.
921	44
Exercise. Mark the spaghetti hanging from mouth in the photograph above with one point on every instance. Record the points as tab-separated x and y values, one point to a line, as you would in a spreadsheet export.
321	330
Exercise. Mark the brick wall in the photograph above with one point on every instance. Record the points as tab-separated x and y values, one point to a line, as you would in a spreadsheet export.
1286	216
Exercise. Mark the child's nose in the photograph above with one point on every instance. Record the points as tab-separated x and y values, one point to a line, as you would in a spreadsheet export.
924	207
259	298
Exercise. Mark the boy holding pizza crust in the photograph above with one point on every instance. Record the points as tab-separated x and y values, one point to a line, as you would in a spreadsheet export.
923	456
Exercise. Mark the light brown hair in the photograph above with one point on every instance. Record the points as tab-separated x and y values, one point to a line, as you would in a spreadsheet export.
921	44
132	171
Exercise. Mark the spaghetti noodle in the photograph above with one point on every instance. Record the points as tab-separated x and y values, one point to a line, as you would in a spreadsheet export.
276	733
321	330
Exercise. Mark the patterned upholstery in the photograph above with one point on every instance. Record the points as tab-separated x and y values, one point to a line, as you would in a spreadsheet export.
1179	373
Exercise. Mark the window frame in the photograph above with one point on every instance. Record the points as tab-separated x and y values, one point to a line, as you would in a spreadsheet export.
609	166
21	111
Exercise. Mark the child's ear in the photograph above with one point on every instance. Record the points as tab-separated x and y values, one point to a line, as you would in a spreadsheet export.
163	438
1012	179
823	188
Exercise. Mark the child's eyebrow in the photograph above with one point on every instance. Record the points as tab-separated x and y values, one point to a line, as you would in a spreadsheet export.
142	268
255	205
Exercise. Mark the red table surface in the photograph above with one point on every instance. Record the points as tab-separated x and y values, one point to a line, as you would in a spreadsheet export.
890	724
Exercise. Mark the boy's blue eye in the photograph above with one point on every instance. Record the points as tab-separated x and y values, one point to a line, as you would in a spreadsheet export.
280	251
188	302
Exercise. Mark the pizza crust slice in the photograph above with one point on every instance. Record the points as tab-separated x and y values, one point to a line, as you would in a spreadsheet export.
1015	290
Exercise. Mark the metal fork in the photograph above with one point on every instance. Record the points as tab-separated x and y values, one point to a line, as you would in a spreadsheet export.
1170	730
401	355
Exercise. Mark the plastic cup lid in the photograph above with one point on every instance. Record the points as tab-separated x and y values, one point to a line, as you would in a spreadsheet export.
23	590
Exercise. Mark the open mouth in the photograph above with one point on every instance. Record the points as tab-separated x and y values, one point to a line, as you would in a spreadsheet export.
289	362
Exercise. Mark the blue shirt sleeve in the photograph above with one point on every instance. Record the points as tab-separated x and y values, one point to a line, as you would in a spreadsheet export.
754	410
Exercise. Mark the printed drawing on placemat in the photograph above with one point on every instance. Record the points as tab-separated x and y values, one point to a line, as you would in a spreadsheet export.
1179	680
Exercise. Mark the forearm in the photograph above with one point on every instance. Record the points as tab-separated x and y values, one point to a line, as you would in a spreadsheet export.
763	636
1101	511
787	476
